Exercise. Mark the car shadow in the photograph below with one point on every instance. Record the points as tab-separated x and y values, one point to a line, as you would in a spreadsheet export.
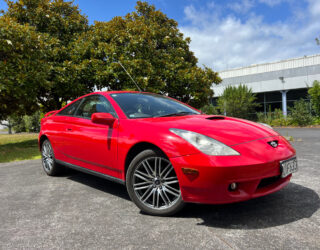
98	183
292	203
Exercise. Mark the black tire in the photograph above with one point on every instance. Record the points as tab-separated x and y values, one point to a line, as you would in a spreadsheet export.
159	190
49	164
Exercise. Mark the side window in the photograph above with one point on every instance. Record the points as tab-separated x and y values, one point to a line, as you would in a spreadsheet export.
69	111
94	104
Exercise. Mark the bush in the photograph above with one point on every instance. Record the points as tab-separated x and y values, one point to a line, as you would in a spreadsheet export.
210	110
316	121
238	102
300	113
27	123
314	93
275	119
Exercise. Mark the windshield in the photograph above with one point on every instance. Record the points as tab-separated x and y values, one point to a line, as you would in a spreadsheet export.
142	105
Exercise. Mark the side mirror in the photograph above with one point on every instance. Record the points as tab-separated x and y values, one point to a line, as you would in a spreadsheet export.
103	118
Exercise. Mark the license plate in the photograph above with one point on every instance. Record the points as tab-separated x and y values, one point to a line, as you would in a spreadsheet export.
288	167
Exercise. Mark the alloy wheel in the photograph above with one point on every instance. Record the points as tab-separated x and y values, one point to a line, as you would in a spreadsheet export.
47	156
155	183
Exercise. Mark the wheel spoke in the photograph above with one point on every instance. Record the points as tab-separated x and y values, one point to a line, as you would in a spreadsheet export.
162	196
172	190
141	177
148	170
144	174
171	182
142	187
159	166
170	178
142	183
158	198
147	192
154	198
165	194
165	169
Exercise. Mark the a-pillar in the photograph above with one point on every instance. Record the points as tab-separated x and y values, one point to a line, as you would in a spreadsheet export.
284	102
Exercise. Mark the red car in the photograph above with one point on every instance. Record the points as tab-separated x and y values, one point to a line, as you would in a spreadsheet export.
165	152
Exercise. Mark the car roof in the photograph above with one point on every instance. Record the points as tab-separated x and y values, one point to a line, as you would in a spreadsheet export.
121	92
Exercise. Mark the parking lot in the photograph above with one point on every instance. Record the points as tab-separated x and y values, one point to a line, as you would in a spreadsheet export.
81	211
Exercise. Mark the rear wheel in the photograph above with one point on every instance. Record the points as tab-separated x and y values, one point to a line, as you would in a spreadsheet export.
48	161
153	185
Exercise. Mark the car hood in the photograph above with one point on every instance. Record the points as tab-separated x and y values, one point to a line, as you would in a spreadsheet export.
230	131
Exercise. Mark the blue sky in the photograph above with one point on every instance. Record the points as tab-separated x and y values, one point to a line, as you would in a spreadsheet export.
231	33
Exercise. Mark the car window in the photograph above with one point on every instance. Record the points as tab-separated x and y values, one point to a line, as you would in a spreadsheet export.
69	110
94	104
144	105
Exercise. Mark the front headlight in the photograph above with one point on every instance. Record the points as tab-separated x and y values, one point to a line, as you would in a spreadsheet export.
204	143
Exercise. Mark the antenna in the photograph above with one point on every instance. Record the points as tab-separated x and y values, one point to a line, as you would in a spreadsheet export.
129	75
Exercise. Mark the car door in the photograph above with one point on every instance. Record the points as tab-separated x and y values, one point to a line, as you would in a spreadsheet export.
91	145
58	129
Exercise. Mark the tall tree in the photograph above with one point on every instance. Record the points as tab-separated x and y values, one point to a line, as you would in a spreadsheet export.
49	55
237	101
63	23
152	49
23	67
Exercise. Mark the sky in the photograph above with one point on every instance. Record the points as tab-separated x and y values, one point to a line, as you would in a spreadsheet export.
228	34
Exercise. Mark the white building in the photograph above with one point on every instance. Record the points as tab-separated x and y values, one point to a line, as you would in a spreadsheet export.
276	83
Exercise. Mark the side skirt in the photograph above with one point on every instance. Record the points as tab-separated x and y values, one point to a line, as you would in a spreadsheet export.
88	171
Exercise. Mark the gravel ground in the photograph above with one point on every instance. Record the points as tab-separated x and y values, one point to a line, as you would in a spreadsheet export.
79	211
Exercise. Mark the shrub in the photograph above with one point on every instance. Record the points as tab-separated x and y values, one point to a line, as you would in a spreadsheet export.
209	110
300	113
275	118
238	102
314	93
27	123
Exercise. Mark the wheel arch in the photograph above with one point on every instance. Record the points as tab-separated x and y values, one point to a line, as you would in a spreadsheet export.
138	148
41	140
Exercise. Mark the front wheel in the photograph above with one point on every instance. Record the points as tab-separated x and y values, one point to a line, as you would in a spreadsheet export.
153	185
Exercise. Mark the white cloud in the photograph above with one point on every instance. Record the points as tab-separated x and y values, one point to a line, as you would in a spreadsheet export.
242	6
228	42
314	7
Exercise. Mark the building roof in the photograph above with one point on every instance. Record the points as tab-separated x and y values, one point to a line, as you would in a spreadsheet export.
272	66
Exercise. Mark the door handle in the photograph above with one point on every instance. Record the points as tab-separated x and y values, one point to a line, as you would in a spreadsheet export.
69	129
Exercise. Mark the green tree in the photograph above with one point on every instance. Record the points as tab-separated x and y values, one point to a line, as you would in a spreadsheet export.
61	23
237	101
314	93
50	55
23	67
300	113
152	49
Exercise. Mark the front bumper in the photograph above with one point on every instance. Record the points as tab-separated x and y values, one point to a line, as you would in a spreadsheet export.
256	171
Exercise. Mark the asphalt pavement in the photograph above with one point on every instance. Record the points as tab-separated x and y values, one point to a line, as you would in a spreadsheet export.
79	211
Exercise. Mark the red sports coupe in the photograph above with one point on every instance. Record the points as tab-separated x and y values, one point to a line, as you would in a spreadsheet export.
165	152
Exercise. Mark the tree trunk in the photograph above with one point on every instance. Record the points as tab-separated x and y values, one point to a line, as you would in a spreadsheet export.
9	127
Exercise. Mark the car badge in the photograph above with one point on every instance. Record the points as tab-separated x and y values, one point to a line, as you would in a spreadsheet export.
273	144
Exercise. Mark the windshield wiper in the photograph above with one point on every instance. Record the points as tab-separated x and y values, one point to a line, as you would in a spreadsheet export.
177	114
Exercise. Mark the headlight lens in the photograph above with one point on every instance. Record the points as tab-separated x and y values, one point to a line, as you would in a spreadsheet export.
204	143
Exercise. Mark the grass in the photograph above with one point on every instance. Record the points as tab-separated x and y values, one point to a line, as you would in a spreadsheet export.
17	147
